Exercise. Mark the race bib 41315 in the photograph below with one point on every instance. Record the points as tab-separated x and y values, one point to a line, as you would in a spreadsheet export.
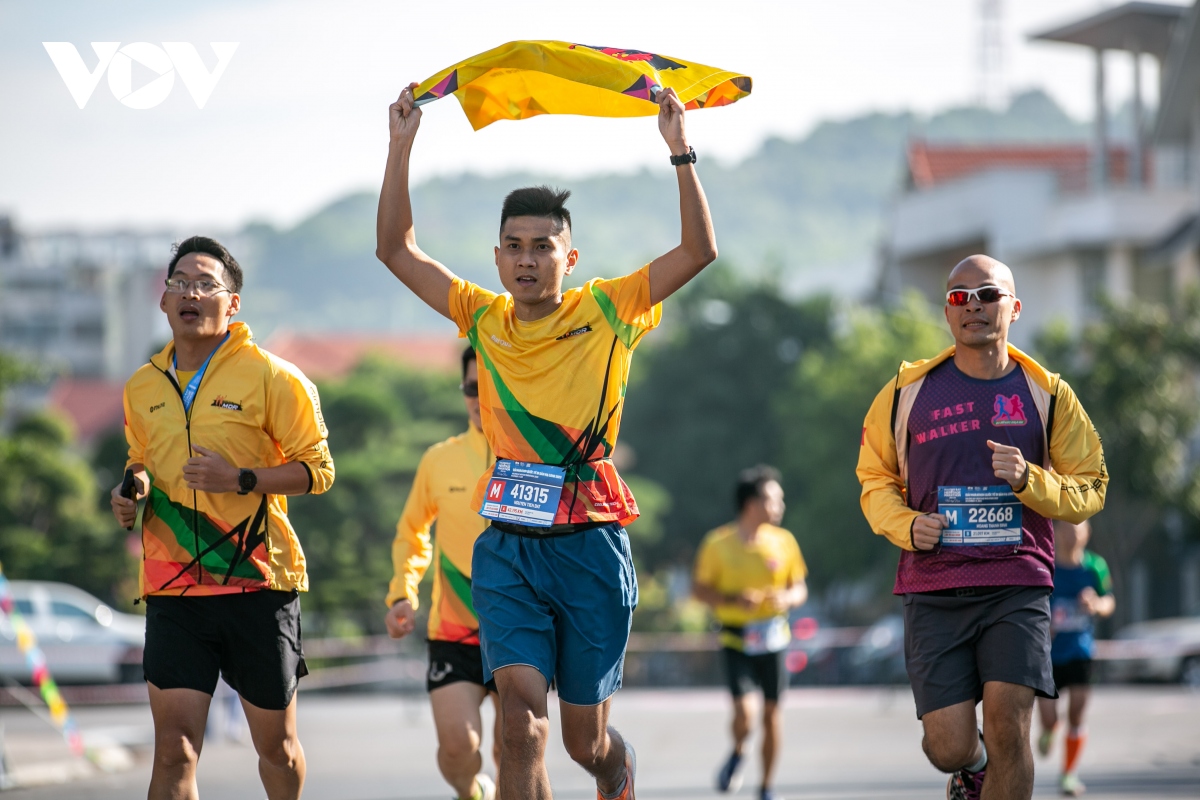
523	493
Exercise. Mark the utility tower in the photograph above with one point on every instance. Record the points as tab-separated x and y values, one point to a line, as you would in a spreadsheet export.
990	89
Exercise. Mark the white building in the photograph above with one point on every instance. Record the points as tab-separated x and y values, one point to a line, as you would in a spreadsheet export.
1075	222
82	305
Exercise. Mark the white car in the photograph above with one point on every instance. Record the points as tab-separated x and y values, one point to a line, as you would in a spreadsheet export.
1158	650
83	639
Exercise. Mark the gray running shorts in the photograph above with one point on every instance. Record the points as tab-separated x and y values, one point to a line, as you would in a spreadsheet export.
956	640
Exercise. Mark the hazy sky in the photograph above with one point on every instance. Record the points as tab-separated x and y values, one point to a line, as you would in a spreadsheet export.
300	114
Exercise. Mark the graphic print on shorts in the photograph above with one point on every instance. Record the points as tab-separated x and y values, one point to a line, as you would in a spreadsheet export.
1009	411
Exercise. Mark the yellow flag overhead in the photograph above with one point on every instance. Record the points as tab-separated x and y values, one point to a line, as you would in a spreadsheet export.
519	80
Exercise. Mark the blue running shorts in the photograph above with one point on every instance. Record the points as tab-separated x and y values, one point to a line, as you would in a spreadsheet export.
561	604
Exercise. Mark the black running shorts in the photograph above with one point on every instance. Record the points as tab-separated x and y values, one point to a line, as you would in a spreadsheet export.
767	671
956	640
1073	673
452	662
251	639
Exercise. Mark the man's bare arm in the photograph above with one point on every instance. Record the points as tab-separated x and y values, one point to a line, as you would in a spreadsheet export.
396	241
698	243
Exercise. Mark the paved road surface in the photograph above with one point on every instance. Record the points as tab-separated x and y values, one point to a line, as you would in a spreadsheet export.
840	743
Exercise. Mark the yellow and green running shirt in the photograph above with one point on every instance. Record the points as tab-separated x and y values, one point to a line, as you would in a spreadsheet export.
442	491
731	565
551	391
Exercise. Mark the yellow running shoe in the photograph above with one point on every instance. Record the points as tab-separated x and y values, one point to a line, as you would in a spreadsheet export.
1046	742
485	787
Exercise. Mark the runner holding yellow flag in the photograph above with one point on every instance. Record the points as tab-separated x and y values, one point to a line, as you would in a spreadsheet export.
553	582
524	79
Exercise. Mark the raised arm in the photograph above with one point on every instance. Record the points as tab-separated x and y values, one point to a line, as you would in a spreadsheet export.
396	241
698	244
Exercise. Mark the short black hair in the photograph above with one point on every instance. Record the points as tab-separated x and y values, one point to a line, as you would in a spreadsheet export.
468	356
751	482
209	247
537	201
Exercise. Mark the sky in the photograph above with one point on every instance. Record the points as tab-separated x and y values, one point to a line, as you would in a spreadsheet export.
299	116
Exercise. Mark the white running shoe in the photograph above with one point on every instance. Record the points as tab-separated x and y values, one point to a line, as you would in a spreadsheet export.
487	786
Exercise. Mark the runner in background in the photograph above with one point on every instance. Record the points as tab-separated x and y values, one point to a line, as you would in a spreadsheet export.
751	573
965	459
220	433
441	492
1082	592
552	577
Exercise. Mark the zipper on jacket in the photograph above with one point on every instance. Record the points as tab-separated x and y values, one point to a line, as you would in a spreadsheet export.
187	416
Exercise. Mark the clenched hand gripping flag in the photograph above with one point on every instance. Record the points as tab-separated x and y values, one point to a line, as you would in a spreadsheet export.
523	79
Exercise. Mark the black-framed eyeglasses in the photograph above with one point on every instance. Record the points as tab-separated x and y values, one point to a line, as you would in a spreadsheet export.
469	388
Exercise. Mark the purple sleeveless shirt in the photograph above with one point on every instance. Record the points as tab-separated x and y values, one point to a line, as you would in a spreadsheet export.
951	422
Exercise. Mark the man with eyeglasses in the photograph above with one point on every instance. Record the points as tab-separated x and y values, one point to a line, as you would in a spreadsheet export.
965	461
220	432
441	492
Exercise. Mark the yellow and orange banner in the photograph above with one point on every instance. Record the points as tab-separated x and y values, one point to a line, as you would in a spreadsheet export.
525	79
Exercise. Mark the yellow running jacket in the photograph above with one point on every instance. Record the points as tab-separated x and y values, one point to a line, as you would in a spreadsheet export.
442	491
257	411
1070	486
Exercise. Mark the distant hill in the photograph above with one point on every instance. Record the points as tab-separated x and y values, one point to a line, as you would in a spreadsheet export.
808	209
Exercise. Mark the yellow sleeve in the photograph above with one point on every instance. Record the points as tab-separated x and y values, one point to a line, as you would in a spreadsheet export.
135	436
411	550
708	566
295	422
797	570
883	492
626	304
466	301
1074	489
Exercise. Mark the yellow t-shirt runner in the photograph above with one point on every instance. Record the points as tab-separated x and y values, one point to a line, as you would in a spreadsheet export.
441	491
551	391
731	565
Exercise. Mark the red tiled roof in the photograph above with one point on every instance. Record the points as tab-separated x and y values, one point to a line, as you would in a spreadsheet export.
93	405
331	356
933	164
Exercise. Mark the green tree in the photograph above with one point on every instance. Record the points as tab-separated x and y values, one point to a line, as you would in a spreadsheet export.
51	524
820	416
1135	372
700	401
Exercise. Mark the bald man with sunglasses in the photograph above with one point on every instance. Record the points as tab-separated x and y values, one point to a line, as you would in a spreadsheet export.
965	461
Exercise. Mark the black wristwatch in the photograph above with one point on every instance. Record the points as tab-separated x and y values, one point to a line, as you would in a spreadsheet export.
687	158
247	480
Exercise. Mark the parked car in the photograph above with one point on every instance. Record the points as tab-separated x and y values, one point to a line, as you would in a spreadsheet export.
1158	650
878	658
84	640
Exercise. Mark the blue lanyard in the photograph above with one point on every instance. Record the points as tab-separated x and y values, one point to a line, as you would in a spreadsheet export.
189	391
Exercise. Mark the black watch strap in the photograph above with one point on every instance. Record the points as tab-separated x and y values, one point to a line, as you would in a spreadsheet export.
247	480
687	158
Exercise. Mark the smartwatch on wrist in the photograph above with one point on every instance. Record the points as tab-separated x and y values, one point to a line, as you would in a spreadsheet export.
687	158
247	480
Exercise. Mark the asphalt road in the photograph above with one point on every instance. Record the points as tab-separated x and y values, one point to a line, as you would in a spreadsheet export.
839	743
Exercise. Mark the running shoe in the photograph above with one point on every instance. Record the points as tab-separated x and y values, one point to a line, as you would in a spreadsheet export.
630	774
768	794
729	779
487	787
1070	785
965	785
1046	742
